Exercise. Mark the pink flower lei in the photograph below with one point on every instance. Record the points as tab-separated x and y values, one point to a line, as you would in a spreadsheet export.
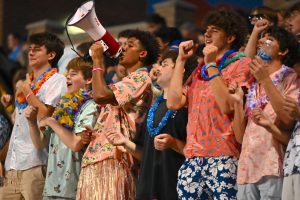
253	102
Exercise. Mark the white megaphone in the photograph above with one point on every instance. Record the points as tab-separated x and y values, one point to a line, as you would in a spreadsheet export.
86	19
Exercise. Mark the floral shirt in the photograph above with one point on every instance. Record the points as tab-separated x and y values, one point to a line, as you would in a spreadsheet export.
64	165
209	131
262	155
134	96
4	131
292	154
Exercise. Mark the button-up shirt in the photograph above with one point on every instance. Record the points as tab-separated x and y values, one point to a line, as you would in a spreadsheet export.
21	153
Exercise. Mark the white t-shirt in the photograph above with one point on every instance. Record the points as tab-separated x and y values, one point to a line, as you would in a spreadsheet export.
21	153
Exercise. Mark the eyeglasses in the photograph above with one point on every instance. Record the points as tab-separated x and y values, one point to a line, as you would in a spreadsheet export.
257	17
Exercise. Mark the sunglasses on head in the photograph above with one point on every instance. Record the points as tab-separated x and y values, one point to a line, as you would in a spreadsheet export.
257	17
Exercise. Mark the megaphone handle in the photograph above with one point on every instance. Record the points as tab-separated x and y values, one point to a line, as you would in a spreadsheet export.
105	47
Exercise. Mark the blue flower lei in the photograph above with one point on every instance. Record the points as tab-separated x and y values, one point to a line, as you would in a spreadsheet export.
153	131
220	66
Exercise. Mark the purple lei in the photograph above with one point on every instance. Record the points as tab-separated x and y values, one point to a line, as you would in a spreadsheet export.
252	102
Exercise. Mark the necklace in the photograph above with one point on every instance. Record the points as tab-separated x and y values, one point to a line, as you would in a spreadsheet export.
153	131
21	102
68	108
252	97
229	57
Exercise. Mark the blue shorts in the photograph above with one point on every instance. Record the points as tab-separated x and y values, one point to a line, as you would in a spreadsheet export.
201	177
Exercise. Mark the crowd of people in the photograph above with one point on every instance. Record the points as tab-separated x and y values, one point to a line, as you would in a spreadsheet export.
184	113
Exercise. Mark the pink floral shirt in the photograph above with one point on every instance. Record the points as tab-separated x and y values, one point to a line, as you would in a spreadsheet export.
209	131
134	96
262	155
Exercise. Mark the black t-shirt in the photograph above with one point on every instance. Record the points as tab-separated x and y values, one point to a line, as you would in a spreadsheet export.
159	169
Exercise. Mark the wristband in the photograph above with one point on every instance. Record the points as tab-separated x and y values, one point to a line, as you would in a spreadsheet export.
212	64
97	69
206	77
28	95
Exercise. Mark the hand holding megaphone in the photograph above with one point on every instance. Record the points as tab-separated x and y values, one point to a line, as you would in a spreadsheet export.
96	52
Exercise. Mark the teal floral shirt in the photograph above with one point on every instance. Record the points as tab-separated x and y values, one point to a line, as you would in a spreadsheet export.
64	165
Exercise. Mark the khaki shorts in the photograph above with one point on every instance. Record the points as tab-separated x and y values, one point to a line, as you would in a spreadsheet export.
23	184
291	187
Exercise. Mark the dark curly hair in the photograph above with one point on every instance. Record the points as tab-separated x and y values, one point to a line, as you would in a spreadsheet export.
287	41
230	22
52	44
149	43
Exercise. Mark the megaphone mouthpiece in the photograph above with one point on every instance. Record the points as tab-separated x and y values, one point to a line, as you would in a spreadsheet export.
86	19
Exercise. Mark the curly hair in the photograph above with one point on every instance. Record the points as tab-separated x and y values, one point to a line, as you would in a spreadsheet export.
287	41
52	44
149	43
230	22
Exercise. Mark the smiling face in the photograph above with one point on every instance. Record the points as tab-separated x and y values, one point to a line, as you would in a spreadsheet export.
165	72
75	81
131	52
217	37
38	56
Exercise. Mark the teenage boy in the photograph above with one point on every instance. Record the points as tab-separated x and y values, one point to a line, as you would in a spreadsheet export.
107	170
260	167
24	163
75	111
211	148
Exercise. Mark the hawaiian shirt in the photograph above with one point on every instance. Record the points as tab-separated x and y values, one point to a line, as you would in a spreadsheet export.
209	131
64	165
4	131
262	155
292	154
134	96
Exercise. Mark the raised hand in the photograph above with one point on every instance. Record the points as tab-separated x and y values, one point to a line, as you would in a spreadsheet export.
259	69
260	119
260	26
97	53
6	100
163	141
210	53
186	50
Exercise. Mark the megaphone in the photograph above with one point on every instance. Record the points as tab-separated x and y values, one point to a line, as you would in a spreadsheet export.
85	18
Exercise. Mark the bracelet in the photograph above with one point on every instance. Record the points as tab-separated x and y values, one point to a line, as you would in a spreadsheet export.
28	95
97	69
212	64
206	77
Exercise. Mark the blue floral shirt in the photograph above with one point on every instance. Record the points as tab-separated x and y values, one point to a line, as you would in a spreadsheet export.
292	154
4	131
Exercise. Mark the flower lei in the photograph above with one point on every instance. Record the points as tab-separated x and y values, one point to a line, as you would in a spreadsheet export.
263	100
228	57
21	102
153	131
68	108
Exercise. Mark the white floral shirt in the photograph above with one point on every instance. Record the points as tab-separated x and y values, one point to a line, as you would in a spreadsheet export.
292	154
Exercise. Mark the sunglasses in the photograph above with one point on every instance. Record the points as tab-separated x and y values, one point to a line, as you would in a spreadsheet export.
257	17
